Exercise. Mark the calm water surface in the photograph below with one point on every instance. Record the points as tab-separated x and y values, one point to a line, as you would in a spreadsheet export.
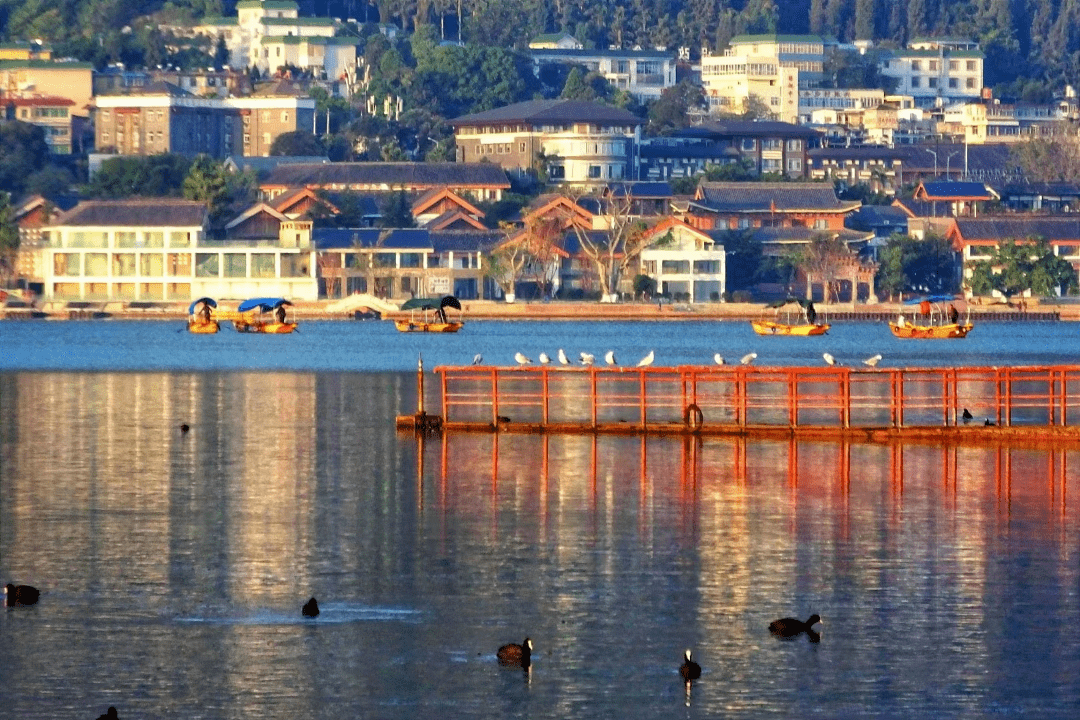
173	566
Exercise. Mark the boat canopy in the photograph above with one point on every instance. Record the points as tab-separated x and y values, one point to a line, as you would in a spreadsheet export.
930	298
431	303
206	301
803	302
262	304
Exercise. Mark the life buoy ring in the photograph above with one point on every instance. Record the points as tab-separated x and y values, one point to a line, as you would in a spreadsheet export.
693	418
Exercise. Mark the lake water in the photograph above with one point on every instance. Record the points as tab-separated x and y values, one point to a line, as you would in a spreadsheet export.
173	565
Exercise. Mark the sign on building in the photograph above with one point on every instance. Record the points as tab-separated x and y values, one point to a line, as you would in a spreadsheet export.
438	285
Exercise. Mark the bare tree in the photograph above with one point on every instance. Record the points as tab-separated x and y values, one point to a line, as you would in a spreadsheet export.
506	262
614	247
330	270
1051	158
543	240
826	259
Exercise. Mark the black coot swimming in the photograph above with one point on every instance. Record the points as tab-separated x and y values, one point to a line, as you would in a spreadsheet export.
20	595
514	654
311	608
689	669
790	627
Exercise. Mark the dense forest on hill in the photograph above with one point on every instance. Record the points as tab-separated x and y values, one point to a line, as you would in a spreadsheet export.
1034	42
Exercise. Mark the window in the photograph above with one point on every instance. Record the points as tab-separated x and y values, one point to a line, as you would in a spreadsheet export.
821	224
206	265
794	145
263	265
954	83
178	264
931	82
125	239
915	82
179	239
748	144
123	264
294	266
772	144
970	83
933	66
521	147
954	65
594	171
235	265
66	264
971	66
97	264
151	264
916	65
794	164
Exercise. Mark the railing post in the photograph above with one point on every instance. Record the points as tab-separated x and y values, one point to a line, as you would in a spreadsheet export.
442	388
495	396
592	394
544	397
793	397
845	390
644	390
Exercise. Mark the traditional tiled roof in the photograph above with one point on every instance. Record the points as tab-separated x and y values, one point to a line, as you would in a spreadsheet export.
1019	227
755	197
465	240
552	111
873	217
143	212
263	165
390	175
749	128
949	190
921	208
453	218
986	158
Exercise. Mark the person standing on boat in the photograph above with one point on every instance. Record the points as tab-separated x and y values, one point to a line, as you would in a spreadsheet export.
279	313
204	313
924	308
954	315
811	312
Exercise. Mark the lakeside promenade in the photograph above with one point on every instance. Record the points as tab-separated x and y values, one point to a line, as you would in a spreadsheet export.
553	310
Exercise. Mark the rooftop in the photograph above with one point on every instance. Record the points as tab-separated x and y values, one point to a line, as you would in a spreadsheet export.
389	175
141	212
552	111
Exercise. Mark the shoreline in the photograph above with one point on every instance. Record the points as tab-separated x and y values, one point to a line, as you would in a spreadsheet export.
553	311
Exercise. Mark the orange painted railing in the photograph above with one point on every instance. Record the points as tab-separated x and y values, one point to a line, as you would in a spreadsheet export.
741	396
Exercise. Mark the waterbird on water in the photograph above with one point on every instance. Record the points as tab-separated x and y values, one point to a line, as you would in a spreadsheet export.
521	359
718	358
563	360
748	358
544	359
647	360
516	655
609	357
872	361
689	669
20	595
310	608
790	627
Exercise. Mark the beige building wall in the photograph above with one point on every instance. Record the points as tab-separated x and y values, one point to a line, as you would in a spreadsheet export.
70	80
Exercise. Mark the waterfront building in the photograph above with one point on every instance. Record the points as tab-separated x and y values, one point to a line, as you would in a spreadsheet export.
686	263
937	72
574	141
157	250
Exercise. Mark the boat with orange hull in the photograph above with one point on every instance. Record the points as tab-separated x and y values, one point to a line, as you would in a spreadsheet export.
201	320
770	327
428	315
939	322
250	317
924	332
793	317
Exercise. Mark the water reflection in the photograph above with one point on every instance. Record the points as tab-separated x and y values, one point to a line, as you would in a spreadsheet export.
173	566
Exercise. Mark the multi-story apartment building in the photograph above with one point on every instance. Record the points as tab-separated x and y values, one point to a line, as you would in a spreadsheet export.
642	73
52	114
733	84
840	99
161	117
937	72
578	141
994	122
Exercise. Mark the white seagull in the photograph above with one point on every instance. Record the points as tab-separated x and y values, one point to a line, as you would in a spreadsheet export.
609	357
587	358
647	360
521	359
563	360
748	358
544	359
872	361
477	359
829	359
718	358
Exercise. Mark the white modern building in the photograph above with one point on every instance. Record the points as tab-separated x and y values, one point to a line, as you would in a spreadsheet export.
685	261
937	73
157	250
645	74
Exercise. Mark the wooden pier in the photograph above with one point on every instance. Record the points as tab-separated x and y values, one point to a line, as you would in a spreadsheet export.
1035	403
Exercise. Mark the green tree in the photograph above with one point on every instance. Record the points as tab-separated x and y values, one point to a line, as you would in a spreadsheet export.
397	211
910	265
745	259
151	176
9	240
223	192
296	143
1016	266
672	110
22	152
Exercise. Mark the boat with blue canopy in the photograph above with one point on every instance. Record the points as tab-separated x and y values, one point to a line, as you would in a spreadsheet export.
252	316
935	320
201	320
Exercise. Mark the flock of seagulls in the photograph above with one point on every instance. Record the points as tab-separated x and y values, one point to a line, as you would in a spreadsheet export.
588	359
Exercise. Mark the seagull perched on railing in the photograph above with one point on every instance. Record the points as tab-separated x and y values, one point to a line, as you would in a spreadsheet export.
647	360
829	359
609	357
718	358
521	359
587	358
477	359
748	358
563	360
872	361
544	359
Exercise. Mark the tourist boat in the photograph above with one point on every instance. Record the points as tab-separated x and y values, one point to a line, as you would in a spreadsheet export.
249	316
429	315
939	322
204	323
798	318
